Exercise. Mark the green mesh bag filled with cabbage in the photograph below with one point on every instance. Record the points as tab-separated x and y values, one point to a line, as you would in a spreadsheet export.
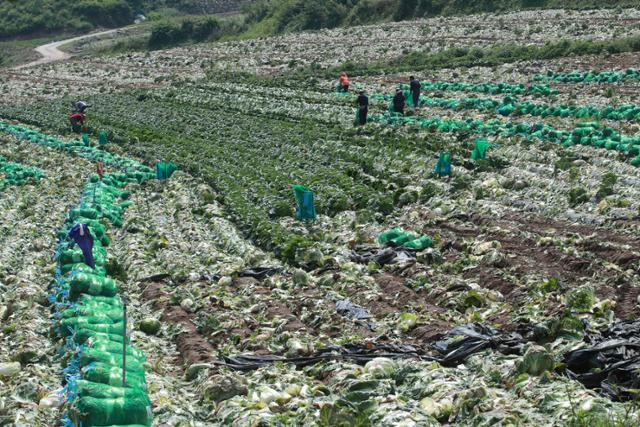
91	411
92	355
92	284
390	234
111	375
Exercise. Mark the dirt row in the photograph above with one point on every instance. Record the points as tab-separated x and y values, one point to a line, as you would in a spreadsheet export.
524	257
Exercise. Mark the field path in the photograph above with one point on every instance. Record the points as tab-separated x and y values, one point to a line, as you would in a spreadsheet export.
51	53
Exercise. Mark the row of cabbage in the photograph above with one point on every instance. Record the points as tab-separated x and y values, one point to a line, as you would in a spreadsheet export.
588	133
76	148
252	159
511	105
608	76
12	173
105	375
492	88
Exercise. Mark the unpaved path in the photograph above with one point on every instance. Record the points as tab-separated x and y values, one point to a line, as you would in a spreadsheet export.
51	53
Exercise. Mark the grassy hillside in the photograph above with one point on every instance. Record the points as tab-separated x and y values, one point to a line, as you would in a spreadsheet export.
275	16
27	18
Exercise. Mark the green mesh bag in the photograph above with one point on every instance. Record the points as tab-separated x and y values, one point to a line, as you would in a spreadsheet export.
75	256
403	238
92	284
443	167
71	257
421	243
90	411
102	138
107	346
86	388
99	310
82	267
93	355
386	236
164	170
480	149
83	335
85	322
88	213
89	300
67	329
506	110
304	197
111	375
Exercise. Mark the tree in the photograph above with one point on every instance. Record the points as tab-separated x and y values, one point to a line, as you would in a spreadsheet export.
406	10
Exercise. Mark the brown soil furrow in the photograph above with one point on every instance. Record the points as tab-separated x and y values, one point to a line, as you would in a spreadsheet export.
193	348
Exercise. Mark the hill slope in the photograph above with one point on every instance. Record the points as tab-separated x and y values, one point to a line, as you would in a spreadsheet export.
31	17
275	16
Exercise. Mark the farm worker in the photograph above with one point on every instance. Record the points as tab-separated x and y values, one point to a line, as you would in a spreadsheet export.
344	81
414	84
80	106
398	102
363	107
100	169
81	234
77	120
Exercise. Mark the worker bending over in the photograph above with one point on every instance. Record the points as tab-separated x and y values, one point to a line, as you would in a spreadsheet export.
77	120
398	102
80	106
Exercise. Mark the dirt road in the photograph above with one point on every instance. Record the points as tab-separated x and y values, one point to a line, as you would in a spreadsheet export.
51	53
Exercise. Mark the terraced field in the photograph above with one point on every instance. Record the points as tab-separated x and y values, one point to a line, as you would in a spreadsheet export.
248	317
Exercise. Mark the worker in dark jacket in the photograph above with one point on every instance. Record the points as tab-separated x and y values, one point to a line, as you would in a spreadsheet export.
80	106
398	102
415	86
363	107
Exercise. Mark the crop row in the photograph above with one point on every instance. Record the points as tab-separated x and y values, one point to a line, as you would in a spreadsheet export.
252	143
597	136
583	134
88	314
76	148
510	105
105	375
487	87
253	158
608	76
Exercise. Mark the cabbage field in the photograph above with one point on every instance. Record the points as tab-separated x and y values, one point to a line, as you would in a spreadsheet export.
504	294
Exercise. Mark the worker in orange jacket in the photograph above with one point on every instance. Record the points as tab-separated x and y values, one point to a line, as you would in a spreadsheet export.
344	81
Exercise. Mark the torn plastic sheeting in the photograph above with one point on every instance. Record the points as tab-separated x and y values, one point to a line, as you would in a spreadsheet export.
612	363
260	273
475	338
463	342
353	311
382	256
359	353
